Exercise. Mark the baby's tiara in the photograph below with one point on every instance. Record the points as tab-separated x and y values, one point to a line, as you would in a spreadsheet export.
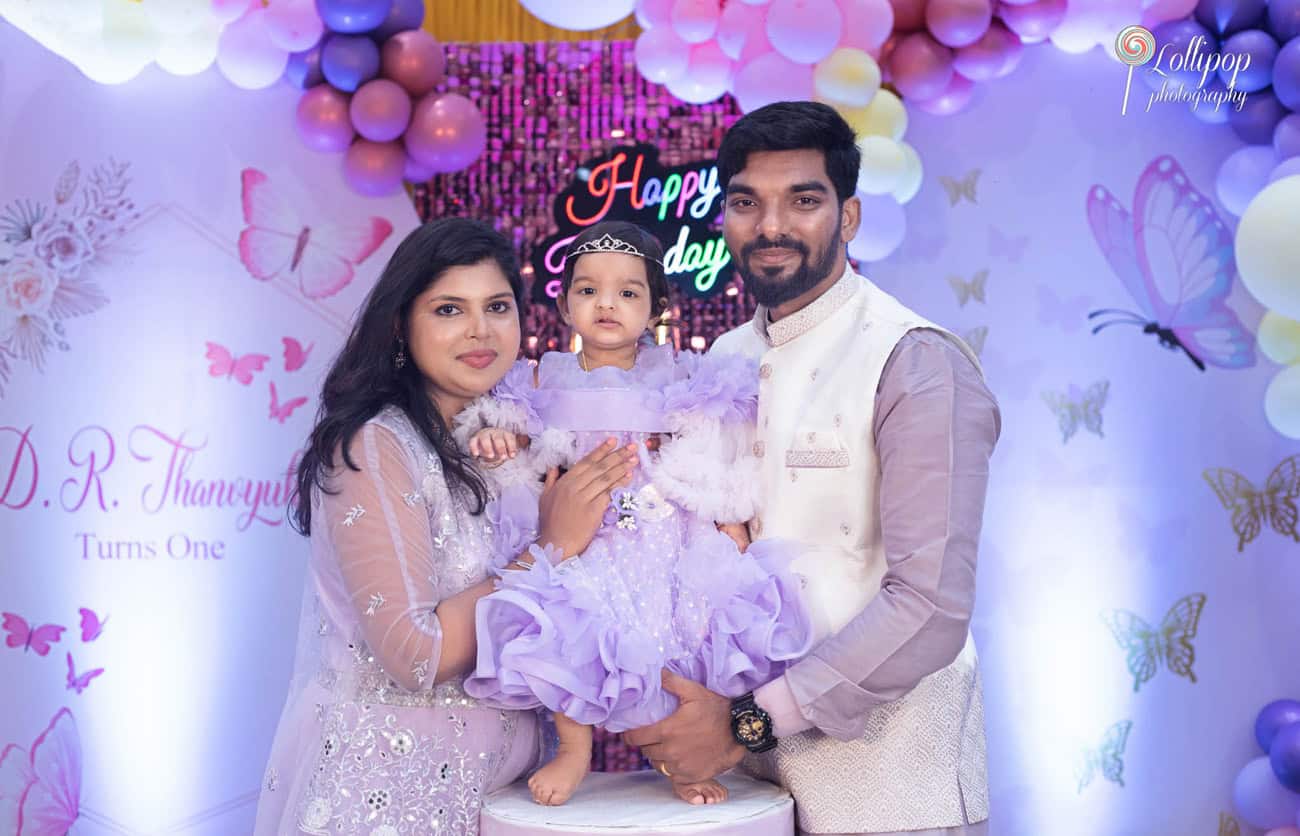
609	244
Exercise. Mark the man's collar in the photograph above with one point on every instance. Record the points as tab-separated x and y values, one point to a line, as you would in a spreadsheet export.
809	316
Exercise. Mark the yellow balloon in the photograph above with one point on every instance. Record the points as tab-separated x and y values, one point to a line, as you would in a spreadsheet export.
847	76
910	183
1282	402
1268	248
884	116
884	165
1279	339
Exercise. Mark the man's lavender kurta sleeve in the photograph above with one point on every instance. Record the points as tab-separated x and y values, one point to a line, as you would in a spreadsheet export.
935	425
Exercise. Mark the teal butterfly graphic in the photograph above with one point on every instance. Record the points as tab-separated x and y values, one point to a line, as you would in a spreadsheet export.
1251	508
1078	408
1107	758
962	188
975	338
1171	643
968	290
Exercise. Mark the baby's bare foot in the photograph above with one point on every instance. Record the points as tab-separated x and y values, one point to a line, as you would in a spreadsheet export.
702	792
555	783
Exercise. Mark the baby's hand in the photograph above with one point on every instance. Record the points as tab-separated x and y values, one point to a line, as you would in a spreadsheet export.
493	446
737	532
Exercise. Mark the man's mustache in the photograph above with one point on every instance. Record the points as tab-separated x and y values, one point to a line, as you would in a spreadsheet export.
782	243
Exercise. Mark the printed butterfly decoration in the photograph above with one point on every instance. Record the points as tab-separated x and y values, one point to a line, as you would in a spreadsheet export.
15	777
1175	259
1108	758
968	290
1066	314
295	356
35	639
958	189
78	682
1075	408
1228	826
225	364
1171	643
91	625
280	241
1251	508
1010	246
975	338
50	803
281	411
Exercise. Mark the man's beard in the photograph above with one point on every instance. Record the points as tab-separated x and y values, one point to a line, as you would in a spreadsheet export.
764	283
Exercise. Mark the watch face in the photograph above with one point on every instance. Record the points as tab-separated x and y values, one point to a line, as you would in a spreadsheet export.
750	727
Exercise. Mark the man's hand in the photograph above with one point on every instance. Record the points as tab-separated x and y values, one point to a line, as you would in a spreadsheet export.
695	743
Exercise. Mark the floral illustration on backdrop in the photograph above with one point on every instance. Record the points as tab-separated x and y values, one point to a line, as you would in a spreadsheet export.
40	787
49	252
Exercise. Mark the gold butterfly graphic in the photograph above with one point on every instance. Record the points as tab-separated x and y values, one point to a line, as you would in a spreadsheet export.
1172	642
963	188
975	338
1108	758
1078	407
1228	825
1251	508
973	289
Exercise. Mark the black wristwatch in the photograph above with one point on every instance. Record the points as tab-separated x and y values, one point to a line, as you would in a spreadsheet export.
751	725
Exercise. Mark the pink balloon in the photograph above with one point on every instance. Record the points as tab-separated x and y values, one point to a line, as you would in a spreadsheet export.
920	66
805	31
414	60
294	25
1162	11
755	45
738	27
707	77
323	122
380	110
867	23
990	56
695	21
228	11
374	169
958	22
954	97
653	13
771	78
660	55
1035	21
909	15
447	132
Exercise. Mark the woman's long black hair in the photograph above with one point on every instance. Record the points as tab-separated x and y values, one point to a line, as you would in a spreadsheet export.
365	378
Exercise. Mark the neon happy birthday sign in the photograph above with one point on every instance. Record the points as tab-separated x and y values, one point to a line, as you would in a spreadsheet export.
677	204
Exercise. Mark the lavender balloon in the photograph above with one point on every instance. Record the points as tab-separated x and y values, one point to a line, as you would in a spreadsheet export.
352	16
958	22
304	69
1216	94
1260	799
1258	117
920	67
446	133
1274	716
416	171
1175	41
991	56
1225	17
381	110
1286	74
405	15
954	97
1286	142
1035	21
1284	19
1258	73
348	61
322	119
374	169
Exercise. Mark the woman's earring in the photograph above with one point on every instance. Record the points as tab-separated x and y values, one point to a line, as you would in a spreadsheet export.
399	359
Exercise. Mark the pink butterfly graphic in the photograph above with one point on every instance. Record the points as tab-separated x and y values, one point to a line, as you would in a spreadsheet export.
294	354
278	240
1066	314
1175	259
281	411
91	625
22	634
225	364
1010	246
51	803
15	776
78	682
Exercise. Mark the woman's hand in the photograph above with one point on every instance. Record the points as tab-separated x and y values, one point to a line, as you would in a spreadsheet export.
571	506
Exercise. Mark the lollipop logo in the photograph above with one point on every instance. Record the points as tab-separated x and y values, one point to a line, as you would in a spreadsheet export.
1134	46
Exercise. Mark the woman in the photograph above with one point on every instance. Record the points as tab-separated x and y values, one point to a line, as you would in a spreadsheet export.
377	736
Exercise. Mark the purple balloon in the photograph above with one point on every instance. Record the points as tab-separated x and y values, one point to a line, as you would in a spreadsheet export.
405	14
986	58
920	66
374	169
353	16
348	61
958	22
416	171
447	132
304	68
1260	799
1284	756
381	110
1286	142
1227	16
954	97
1284	19
1286	74
1175	40
1286	168
1258	73
1272	718
1257	119
1035	21
323	122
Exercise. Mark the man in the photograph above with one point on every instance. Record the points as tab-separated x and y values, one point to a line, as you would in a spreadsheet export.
875	430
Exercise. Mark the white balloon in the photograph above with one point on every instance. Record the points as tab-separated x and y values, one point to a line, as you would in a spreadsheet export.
1268	248
177	17
660	55
246	55
707	78
1279	338
695	21
192	52
579	16
883	165
910	183
1282	402
882	228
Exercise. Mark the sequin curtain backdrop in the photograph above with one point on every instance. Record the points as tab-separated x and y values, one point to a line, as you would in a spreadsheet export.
549	107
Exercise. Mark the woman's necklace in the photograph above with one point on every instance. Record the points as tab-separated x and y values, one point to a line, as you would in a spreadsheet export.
582	360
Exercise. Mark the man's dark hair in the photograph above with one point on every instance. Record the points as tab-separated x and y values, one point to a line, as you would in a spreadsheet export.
793	126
